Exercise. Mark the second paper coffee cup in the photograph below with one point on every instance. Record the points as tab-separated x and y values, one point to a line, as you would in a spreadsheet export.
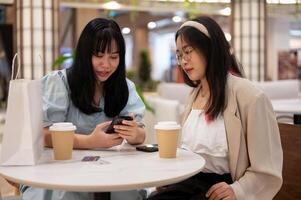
167	137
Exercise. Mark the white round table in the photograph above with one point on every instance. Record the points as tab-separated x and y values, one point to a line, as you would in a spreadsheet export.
115	170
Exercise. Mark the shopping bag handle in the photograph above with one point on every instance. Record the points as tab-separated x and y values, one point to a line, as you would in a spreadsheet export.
13	67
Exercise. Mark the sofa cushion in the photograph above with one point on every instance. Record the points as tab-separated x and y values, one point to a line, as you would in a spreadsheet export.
282	89
174	91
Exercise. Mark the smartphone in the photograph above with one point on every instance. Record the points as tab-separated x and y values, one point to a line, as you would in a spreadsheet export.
148	148
117	121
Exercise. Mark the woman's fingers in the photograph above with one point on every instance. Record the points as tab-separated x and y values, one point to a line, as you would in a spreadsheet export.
129	123
126	137
103	125
113	136
220	191
123	128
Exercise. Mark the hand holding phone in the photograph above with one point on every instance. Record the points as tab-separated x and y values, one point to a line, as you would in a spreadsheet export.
117	121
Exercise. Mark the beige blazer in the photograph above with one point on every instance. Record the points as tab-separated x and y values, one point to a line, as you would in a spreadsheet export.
255	152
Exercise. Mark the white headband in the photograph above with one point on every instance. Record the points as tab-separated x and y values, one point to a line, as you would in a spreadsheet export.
196	25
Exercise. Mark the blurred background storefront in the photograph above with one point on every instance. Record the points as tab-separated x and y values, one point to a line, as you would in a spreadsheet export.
265	35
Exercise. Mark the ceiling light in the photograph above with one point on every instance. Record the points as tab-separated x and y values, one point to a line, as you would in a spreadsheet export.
177	19
282	1
151	25
112	5
225	11
126	30
288	1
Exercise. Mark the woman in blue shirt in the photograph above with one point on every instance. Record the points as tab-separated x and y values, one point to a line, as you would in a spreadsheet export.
90	94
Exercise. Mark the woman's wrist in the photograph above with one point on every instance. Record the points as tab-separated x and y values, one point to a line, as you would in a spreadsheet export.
83	141
140	137
89	142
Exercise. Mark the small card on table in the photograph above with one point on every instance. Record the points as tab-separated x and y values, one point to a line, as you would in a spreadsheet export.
90	158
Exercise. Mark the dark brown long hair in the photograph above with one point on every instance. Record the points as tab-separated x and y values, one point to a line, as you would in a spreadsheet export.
96	37
220	61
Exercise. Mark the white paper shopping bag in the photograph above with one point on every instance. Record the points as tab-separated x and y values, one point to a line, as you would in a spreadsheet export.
22	142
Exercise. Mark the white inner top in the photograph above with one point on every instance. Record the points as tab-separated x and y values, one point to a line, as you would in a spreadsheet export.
207	139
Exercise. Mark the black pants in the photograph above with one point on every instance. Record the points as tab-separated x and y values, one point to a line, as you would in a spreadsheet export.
102	196
193	188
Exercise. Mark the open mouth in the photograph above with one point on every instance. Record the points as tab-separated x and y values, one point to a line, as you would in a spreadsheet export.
188	70
102	73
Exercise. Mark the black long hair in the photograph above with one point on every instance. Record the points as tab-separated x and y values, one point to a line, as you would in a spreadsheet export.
96	37
220	61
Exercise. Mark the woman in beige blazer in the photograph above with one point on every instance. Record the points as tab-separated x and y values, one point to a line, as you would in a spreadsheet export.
247	164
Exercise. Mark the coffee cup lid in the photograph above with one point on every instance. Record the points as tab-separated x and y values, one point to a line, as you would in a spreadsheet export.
62	126
167	125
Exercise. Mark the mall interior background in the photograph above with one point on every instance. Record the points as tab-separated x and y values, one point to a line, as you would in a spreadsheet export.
265	35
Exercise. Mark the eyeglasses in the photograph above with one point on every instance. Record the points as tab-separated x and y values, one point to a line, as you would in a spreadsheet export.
186	55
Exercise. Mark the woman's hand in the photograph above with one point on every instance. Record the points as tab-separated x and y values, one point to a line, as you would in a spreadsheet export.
16	185
130	131
222	191
100	139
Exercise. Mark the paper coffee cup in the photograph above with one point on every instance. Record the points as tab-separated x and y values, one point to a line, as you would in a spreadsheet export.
167	137
62	135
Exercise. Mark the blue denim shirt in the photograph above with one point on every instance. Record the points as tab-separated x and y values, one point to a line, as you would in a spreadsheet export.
58	107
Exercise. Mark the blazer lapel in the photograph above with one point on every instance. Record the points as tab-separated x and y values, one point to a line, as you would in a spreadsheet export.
233	129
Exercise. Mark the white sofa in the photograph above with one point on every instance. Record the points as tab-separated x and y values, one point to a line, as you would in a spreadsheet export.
168	104
174	91
281	89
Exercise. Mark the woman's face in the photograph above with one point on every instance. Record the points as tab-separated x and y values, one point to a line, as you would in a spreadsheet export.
106	63
191	60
